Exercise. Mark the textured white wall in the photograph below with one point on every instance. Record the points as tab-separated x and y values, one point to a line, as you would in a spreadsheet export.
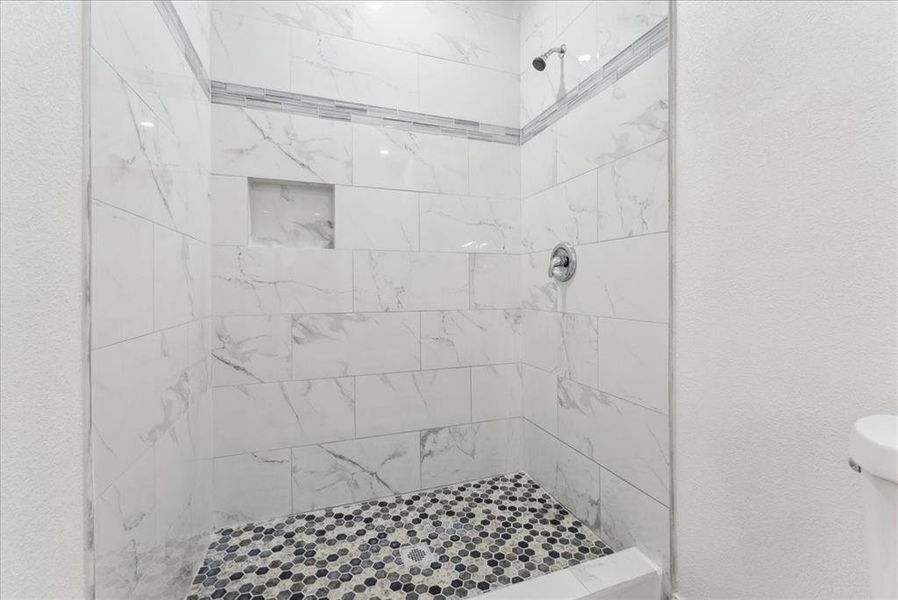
785	289
42	409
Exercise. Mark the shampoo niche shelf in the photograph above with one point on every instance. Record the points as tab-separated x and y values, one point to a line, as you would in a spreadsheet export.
291	214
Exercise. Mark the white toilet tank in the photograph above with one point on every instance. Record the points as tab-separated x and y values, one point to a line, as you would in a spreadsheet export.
874	453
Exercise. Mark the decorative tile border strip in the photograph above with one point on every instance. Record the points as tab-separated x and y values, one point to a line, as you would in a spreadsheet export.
647	46
244	96
169	14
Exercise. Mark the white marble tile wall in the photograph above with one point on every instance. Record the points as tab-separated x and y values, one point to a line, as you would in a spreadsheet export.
391	361
151	404
594	349
434	302
437	57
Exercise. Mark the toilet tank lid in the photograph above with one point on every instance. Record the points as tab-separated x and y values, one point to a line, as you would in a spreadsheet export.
874	445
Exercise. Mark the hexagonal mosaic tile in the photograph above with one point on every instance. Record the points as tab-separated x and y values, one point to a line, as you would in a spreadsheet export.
469	538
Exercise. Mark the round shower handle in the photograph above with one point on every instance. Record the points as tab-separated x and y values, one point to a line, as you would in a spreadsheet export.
562	262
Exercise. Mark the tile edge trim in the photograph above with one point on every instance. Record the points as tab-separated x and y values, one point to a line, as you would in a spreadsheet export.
169	14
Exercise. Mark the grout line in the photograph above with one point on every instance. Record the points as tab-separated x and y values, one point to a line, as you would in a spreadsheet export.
405	312
356	376
365	437
594	461
663	140
152	222
508	197
269	21
616	397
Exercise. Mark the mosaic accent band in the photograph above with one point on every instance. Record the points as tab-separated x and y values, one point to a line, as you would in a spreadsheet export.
244	96
169	14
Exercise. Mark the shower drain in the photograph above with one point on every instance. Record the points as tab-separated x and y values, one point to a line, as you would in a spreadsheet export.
416	554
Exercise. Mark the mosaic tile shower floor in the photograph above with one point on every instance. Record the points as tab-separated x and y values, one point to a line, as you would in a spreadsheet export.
483	535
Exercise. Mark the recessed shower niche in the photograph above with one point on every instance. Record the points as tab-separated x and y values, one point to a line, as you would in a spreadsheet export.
291	214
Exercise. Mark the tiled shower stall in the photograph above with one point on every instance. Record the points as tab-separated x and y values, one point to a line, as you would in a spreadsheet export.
320	236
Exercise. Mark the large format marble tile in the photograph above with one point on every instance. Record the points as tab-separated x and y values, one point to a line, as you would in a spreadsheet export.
355	344
250	51
622	23
539	90
538	290
175	475
631	518
442	29
469	224
579	349
537	30
463	91
572	478
251	349
250	418
277	145
128	40
541	341
400	402
140	387
355	470
633	362
230	210
576	28
390	281
324	16
628	116
260	280
540	454
121	291
577	485
472	451
335	67
496	392
626	438
626	278
538	171
509	10
252	487
125	531
564	213
405	160
137	162
633	194
180	278
494	170
540	397
495	281
375	219
469	337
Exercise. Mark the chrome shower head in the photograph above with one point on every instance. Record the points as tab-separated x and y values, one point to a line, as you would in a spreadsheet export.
539	63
